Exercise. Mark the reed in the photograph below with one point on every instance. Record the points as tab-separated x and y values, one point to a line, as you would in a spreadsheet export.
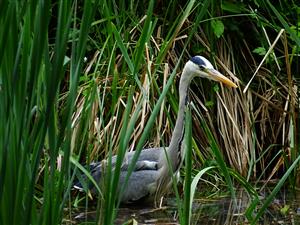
34	188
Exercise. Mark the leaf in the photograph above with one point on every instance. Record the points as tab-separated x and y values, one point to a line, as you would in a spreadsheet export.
216	88
233	7
66	60
209	103
285	209
195	182
260	51
218	27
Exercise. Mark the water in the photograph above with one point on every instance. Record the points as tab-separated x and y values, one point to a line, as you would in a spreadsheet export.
285	209
140	215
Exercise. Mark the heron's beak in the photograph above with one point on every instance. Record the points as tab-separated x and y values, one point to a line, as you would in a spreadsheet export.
217	76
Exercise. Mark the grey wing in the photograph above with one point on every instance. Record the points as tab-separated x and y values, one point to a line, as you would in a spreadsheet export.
148	160
151	154
141	184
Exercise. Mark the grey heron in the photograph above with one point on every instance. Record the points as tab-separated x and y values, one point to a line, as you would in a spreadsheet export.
151	174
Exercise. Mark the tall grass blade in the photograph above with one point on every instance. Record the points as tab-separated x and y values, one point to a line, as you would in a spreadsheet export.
187	207
113	187
29	85
219	158
195	182
285	24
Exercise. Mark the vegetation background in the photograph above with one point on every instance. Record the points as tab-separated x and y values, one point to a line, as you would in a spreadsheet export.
82	80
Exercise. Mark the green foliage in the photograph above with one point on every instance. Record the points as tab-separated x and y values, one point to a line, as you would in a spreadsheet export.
218	27
260	50
29	87
188	197
233	7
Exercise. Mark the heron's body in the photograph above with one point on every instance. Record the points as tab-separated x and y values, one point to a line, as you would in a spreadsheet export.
143	180
152	174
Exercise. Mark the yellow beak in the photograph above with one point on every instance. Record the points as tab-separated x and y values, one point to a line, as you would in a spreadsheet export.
217	76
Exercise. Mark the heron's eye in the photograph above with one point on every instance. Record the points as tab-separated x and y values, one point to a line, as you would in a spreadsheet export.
201	67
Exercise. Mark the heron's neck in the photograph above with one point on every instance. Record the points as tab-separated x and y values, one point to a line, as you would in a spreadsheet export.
175	150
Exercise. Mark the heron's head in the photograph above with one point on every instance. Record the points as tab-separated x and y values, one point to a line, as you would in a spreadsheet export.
200	66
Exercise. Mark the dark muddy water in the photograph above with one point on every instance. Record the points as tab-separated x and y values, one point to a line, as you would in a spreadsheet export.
285	209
